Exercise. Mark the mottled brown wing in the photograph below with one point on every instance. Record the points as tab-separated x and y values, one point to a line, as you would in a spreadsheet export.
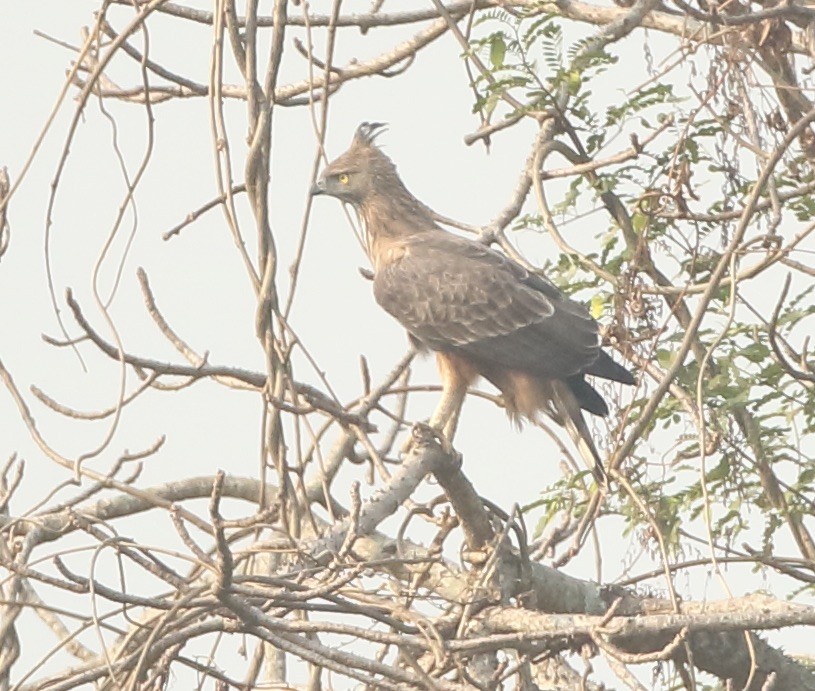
457	295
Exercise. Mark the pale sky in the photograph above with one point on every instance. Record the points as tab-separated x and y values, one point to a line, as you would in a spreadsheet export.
197	278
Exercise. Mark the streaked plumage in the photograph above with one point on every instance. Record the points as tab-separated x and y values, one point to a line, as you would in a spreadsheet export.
480	311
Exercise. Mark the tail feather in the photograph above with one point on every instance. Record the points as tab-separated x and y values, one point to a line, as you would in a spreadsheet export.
526	396
587	396
567	408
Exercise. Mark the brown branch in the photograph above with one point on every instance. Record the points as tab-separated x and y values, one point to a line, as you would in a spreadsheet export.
717	275
363	21
717	628
424	457
513	627
589	166
315	397
687	28
772	333
5	229
194	215
703	28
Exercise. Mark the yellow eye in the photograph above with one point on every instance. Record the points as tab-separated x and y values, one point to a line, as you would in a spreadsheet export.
343	178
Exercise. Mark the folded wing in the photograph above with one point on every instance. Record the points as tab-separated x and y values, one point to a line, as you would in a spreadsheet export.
459	296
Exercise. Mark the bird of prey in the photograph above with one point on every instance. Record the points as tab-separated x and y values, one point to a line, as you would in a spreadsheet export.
481	312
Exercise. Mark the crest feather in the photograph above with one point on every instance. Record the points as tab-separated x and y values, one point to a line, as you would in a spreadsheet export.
367	133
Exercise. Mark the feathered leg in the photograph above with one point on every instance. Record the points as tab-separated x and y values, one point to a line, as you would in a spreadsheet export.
457	374
445	417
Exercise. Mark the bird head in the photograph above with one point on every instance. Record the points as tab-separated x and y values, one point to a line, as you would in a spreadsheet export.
361	171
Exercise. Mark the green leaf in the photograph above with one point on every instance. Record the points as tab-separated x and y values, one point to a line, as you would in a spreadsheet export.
666	358
498	50
639	221
598	303
755	352
573	81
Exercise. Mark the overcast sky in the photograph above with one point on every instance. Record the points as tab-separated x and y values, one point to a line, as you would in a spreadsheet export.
197	277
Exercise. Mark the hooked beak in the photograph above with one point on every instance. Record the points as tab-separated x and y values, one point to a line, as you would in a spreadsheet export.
318	187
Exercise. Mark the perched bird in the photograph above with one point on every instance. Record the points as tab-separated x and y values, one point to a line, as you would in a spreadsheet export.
481	312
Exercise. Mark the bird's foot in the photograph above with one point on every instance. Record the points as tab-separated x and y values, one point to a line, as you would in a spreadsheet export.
422	434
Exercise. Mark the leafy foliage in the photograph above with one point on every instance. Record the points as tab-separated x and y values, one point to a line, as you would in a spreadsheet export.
684	196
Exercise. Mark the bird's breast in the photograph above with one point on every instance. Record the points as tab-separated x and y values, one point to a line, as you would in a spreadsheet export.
386	253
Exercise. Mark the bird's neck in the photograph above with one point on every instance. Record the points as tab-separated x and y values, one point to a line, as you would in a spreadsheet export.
389	220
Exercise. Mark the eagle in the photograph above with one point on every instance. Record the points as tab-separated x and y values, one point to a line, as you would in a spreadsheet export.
483	314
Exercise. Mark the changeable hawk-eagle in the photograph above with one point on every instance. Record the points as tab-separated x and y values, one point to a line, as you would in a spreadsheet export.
480	311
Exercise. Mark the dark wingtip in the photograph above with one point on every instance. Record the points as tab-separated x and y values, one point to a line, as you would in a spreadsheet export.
367	132
622	375
605	368
628	378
